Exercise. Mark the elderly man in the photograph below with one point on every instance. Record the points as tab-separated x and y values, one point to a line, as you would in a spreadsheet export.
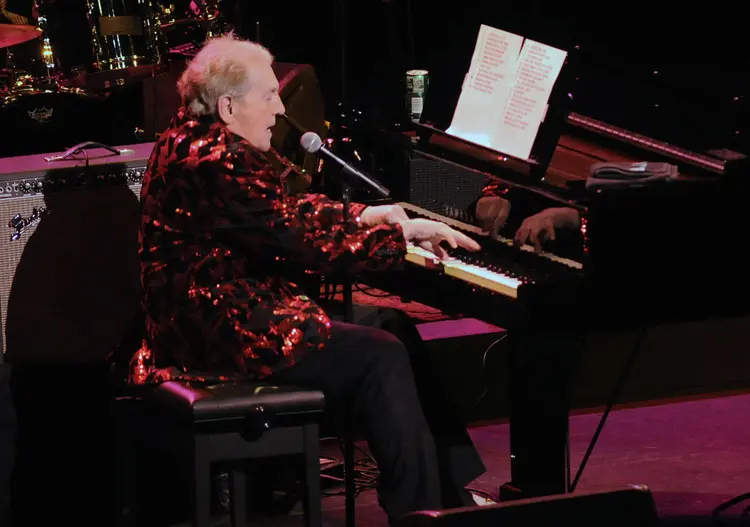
219	237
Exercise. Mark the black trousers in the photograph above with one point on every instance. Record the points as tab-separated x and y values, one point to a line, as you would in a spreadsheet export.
380	365
7	442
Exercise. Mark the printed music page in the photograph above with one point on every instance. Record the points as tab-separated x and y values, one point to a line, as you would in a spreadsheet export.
538	68
486	85
504	97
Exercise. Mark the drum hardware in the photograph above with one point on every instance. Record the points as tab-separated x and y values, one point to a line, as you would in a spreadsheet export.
186	28
14	34
10	36
48	58
200	11
47	115
43	109
124	33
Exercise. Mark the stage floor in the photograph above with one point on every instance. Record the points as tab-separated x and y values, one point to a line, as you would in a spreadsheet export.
693	455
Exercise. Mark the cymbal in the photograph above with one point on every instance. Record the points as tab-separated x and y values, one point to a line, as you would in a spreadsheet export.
13	34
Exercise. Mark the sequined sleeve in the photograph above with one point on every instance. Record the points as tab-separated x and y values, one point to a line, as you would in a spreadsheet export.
307	229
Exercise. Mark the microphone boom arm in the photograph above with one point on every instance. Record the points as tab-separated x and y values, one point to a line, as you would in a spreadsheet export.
380	189
312	143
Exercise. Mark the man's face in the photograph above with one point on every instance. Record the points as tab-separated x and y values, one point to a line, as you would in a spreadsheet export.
253	114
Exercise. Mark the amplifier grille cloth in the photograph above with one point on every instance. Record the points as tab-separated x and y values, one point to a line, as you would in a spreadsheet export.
69	286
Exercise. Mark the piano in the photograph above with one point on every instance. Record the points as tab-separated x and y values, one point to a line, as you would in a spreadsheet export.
647	255
656	254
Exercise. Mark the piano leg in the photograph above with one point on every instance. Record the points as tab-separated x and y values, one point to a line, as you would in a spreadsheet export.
541	369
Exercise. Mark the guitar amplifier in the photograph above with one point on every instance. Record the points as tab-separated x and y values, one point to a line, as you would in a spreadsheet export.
69	272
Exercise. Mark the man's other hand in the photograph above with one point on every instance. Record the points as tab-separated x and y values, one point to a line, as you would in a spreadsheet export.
541	227
492	213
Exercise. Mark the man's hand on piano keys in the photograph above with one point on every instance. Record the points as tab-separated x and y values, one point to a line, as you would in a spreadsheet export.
429	234
492	212
541	227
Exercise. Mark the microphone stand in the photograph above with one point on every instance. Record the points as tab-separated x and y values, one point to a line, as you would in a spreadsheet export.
346	198
350	487
347	284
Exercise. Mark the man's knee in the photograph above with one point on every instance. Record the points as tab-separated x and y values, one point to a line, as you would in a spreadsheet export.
384	350
378	317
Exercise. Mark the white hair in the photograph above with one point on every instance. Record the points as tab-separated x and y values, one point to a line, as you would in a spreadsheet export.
222	67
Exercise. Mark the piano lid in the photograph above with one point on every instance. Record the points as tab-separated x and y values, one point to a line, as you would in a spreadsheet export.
719	161
603	142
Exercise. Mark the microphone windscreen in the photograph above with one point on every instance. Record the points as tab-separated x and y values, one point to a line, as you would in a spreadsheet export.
311	142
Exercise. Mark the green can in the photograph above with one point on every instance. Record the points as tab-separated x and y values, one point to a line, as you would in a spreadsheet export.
417	83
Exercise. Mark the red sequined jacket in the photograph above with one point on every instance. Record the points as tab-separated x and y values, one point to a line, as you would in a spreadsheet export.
219	233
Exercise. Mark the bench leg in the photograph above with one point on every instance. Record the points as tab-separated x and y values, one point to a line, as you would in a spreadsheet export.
350	488
127	476
126	463
201	484
238	495
312	505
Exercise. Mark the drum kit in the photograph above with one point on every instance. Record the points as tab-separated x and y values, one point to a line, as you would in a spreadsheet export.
56	92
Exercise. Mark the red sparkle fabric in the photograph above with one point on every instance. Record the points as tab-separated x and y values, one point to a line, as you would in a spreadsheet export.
219	233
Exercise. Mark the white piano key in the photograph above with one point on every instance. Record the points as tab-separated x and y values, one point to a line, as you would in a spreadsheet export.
480	276
470	273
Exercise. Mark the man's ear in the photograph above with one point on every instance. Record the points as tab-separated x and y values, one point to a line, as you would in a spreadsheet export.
225	109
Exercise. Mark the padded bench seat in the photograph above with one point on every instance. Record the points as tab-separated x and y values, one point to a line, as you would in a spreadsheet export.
234	421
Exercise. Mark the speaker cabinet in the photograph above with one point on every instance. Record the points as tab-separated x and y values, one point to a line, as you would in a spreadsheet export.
630	507
69	272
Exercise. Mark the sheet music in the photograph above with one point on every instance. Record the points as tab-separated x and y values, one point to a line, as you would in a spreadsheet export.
505	94
486	85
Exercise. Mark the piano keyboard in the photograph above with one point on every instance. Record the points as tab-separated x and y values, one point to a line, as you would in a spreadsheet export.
476	231
497	281
473	274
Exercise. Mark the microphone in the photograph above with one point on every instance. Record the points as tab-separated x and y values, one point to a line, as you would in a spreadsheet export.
312	143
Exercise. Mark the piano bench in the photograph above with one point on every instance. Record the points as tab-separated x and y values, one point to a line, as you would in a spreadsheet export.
228	422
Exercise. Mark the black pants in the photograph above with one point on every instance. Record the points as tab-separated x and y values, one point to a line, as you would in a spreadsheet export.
7	442
380	366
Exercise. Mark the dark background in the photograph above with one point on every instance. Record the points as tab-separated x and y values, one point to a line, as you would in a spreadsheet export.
659	68
663	69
